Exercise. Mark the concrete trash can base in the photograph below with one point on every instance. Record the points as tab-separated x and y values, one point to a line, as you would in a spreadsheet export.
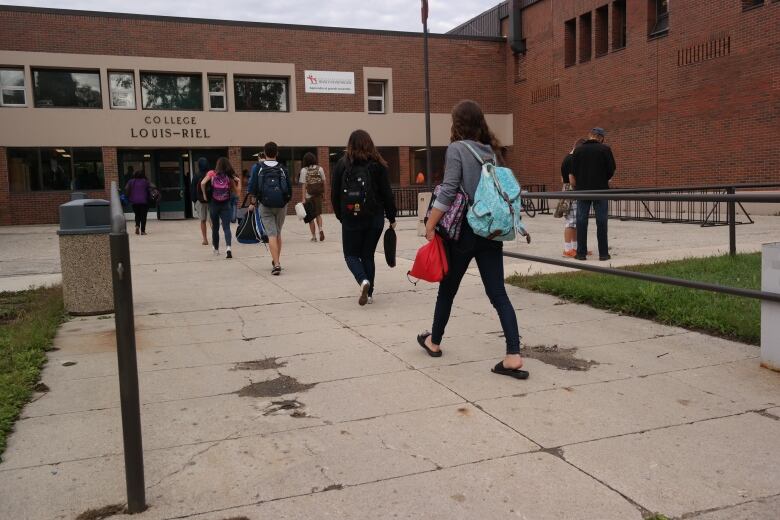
85	257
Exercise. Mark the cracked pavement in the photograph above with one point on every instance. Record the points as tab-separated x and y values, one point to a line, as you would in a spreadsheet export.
668	421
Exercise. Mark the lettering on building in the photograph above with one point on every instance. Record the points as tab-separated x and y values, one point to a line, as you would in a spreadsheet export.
169	127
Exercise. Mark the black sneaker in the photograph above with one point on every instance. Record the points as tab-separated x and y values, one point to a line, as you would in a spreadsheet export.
229	254
605	258
276	271
580	257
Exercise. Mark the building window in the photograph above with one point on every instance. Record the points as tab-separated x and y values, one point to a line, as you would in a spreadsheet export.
164	91
602	30
55	169
121	87
260	94
417	160
570	43
586	37
58	88
392	155
520	75
750	4
619	25
658	17
376	97
217	99
12	92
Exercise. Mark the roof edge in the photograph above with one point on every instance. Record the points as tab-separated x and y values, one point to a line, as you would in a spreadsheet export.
237	23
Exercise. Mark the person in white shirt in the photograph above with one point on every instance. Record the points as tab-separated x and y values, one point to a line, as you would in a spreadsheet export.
313	180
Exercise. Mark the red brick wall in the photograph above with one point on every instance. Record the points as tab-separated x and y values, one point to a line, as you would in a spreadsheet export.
308	49
715	121
110	169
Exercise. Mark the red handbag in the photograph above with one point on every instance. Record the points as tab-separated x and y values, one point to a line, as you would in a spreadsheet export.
430	264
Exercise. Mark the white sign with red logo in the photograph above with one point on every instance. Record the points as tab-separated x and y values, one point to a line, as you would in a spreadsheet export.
329	82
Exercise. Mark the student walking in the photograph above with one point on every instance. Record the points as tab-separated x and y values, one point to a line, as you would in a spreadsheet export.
137	190
312	179
463	170
199	197
362	198
570	217
223	184
271	189
593	165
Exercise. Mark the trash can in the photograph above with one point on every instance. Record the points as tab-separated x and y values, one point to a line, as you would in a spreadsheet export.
85	256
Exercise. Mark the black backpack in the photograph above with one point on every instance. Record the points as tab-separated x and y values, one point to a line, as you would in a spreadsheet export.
357	192
272	186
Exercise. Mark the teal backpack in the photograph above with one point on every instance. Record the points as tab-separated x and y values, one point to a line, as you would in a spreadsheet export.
495	212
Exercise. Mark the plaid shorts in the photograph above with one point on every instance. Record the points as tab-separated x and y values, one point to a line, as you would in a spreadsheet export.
570	219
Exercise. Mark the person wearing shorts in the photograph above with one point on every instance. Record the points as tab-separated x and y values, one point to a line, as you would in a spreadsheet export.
570	218
201	202
273	218
310	165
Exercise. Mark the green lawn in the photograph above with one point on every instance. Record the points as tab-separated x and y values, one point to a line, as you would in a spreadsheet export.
714	313
28	322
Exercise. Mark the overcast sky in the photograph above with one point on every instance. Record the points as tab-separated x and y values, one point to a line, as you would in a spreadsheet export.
400	15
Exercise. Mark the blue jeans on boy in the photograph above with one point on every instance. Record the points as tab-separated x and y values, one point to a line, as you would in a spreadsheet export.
233	208
601	207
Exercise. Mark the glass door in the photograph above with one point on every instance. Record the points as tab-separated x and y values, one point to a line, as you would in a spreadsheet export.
171	166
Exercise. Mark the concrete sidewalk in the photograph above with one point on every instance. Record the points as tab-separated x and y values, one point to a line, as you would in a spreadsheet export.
278	397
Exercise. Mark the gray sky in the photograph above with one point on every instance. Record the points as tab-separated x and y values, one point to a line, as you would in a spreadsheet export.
401	15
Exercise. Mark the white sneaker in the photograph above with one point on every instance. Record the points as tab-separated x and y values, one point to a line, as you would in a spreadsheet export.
216	252
364	288
370	300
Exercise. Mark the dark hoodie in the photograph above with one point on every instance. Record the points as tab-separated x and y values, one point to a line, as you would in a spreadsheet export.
195	189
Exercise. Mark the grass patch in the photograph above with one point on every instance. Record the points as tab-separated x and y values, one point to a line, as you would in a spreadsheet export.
714	313
28	322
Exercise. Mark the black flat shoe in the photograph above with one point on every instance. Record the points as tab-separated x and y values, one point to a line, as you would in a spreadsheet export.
517	373
421	340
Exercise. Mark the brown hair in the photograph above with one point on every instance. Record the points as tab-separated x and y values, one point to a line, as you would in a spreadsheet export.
223	166
468	122
270	150
360	147
309	159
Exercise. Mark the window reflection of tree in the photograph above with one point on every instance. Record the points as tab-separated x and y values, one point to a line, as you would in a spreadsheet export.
261	94
54	88
171	92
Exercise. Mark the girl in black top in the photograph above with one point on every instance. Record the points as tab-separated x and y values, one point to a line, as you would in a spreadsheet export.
362	216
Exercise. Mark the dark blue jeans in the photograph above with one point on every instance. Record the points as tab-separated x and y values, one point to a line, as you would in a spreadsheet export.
601	207
220	211
359	239
490	261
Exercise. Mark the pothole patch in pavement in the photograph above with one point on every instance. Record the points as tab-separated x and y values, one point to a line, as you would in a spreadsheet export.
560	358
271	363
103	512
282	385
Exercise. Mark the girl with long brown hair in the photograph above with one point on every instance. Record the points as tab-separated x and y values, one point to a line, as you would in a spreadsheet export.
224	184
462	169
362	198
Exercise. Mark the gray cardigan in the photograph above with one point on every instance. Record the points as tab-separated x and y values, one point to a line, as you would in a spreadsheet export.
461	169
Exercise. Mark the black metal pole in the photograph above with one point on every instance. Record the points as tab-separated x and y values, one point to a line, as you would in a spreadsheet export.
732	217
427	94
128	367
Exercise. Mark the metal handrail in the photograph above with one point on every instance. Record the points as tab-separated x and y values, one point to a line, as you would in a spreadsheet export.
731	198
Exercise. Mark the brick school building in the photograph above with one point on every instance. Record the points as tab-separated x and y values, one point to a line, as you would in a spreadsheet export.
689	94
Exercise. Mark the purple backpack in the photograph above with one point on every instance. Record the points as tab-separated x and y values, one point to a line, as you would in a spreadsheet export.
452	221
220	187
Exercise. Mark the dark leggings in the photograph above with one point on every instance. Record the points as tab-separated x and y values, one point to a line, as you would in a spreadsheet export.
359	241
141	211
220	211
490	262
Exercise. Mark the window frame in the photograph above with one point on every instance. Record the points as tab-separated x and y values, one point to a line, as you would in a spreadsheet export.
222	94
109	73
23	88
77	70
601	31
660	25
240	77
619	25
169	73
754	4
382	98
66	152
570	43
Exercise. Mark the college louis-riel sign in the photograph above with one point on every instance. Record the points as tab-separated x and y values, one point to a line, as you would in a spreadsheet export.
329	82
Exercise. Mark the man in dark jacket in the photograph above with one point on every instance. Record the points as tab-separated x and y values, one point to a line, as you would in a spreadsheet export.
593	166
